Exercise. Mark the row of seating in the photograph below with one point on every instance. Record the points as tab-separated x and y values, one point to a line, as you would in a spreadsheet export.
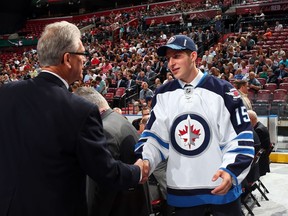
115	96
268	96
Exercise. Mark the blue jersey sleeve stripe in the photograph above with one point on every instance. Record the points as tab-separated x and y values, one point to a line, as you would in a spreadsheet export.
138	145
147	134
249	151
244	136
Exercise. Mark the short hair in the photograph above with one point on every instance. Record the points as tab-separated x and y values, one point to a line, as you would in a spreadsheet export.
239	83
57	39
92	96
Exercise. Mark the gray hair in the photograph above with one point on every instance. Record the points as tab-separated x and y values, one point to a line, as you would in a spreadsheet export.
93	96
57	39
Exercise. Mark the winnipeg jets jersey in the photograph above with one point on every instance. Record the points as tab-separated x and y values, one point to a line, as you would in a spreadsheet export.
201	129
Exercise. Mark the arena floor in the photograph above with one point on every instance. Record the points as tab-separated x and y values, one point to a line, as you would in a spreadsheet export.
277	184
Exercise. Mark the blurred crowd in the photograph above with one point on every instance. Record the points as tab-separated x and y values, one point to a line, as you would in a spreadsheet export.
132	62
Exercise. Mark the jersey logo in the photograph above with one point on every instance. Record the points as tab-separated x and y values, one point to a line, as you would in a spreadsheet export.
171	40
234	93
190	134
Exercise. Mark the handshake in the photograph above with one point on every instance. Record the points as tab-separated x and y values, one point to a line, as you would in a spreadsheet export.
145	168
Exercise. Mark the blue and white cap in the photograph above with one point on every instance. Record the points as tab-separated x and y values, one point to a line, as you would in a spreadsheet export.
177	42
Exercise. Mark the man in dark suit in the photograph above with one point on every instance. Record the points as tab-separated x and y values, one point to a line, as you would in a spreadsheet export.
264	137
131	84
121	80
51	138
121	138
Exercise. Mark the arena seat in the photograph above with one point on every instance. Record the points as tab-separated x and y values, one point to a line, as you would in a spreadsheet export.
263	96
280	96
270	86
262	80
283	85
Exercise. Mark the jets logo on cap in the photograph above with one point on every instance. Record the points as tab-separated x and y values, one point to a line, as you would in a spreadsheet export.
171	40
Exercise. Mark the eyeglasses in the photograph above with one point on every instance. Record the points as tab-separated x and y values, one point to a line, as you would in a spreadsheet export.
85	53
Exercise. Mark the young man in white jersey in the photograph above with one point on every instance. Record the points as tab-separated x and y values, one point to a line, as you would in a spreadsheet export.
200	124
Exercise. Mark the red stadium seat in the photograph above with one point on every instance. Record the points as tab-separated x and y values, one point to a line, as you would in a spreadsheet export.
279	42
285	80
280	96
271	86
251	95
263	96
120	92
270	42
283	85
262	80
109	97
111	90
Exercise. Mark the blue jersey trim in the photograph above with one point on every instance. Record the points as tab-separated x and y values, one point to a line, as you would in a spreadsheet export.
147	134
243	151
244	136
189	201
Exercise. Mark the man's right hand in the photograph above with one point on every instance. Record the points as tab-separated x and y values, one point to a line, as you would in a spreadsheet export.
145	168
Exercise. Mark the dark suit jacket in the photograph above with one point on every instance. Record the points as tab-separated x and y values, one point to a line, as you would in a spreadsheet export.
132	87
122	83
264	136
50	139
121	139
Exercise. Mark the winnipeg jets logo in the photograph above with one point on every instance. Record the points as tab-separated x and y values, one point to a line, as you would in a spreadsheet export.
171	40
234	93
190	134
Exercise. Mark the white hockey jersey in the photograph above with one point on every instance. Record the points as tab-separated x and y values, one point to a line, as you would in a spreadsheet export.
201	129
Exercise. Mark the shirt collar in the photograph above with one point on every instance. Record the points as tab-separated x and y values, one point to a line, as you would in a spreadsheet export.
195	81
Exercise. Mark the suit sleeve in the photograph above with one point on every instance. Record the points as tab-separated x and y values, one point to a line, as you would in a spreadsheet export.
264	136
96	160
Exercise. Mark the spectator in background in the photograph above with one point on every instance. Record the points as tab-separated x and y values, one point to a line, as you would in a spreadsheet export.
162	71
95	61
115	67
121	137
121	80
150	74
141	78
281	72
284	60
242	87
250	43
169	77
272	78
238	74
100	85
145	92
130	85
279	53
253	83
143	123
278	27
257	68
267	34
264	73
